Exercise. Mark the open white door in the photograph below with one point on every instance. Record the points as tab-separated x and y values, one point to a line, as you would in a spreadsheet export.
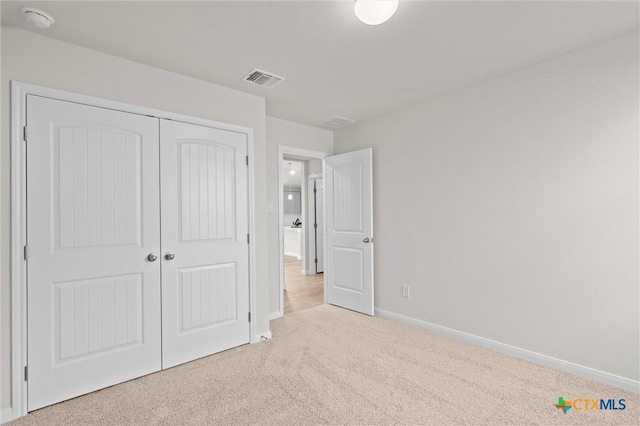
349	220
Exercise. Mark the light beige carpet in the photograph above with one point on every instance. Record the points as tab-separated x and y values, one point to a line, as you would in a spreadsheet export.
327	365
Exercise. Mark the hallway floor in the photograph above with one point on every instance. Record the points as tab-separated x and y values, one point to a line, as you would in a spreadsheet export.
302	291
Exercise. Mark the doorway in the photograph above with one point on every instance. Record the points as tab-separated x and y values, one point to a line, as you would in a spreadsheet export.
301	242
348	238
303	282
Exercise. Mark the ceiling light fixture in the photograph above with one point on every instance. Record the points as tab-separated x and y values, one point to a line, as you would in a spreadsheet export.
375	12
37	17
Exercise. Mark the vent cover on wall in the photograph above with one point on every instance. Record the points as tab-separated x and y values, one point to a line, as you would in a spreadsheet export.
263	78
337	122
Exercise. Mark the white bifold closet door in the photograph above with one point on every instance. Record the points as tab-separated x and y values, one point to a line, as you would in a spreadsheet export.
137	246
205	287
92	218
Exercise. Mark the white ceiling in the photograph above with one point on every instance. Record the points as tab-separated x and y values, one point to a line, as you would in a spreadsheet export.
333	64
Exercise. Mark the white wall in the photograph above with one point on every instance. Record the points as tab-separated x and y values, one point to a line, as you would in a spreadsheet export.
35	59
287	133
313	167
524	192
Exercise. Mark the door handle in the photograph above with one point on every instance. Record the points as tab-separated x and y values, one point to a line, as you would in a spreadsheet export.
152	257
169	256
366	240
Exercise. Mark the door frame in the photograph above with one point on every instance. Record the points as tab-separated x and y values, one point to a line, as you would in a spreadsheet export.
303	154
18	274
311	198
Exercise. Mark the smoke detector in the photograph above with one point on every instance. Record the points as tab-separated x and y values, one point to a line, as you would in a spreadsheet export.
263	78
337	122
37	17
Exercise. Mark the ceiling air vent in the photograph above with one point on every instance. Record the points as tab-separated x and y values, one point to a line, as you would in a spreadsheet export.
263	78
337	122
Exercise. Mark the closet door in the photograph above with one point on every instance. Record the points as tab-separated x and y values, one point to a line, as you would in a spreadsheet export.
92	221
205	280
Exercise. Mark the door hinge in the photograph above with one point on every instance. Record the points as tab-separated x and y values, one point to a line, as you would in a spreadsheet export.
25	253
247	238
247	160
26	373
315	190
315	226
249	316
315	260
24	133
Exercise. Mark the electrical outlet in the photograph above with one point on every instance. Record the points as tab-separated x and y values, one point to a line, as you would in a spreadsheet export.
405	291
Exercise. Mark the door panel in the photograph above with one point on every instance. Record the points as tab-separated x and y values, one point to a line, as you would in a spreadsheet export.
97	186
93	217
347	189
349	219
207	191
320	225
97	315
208	296
205	296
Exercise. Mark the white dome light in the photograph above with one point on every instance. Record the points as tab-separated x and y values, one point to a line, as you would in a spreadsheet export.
375	12
37	17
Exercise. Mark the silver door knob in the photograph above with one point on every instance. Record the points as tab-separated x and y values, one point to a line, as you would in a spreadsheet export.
152	257
169	256
366	240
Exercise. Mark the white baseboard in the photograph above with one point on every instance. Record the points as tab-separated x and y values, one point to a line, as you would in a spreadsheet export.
547	361
6	415
257	338
275	315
